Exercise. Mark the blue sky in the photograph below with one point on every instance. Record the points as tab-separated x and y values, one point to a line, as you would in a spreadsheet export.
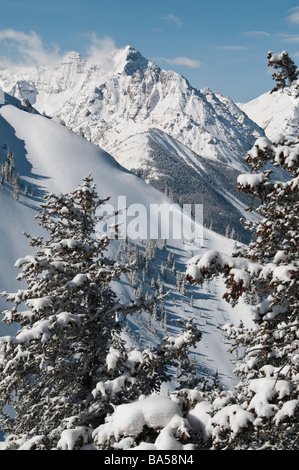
220	44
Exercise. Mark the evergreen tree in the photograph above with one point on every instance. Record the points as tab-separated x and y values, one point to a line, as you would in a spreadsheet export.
11	165
267	272
50	367
16	186
68	366
287	71
151	249
148	369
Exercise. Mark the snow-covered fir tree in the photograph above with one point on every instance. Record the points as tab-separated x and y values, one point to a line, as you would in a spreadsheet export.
69	366
286	70
153	421
263	411
49	367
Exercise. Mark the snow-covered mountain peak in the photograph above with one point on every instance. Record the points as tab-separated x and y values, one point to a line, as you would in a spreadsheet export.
128	61
117	100
275	112
133	95
72	58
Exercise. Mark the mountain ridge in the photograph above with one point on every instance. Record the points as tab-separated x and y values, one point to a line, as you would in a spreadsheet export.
113	103
135	81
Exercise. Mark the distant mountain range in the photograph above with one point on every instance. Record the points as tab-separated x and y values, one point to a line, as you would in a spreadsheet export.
190	144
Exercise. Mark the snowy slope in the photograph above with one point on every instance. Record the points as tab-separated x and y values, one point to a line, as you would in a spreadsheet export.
275	113
175	170
51	158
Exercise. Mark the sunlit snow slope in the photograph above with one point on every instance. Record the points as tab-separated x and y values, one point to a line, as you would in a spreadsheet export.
276	112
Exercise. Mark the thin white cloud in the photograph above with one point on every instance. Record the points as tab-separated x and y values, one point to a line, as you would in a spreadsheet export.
170	18
257	34
30	49
294	16
184	61
292	38
100	49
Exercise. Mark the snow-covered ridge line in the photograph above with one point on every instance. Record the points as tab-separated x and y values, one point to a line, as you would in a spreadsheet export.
276	112
134	95
145	117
